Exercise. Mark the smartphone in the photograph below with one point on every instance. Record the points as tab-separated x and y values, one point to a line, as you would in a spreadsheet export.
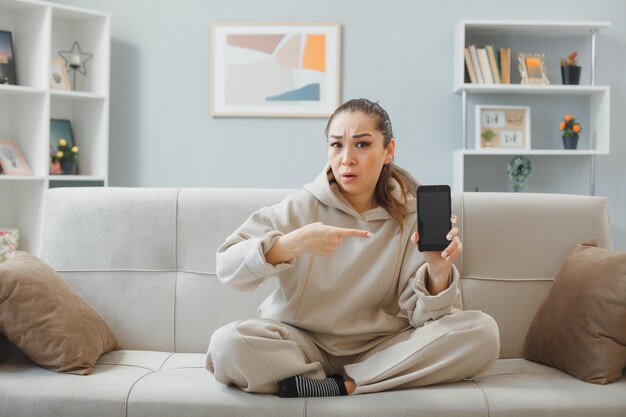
433	217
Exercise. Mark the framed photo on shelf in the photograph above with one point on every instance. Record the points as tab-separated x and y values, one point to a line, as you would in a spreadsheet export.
61	129
7	59
532	69
58	75
502	127
275	69
12	162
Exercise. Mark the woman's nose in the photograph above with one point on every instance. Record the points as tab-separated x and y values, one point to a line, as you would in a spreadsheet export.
347	158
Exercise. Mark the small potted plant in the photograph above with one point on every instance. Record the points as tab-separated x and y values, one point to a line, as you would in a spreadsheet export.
570	70
519	170
488	135
66	156
570	129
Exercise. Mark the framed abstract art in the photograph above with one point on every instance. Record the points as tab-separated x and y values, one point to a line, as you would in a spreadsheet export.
275	69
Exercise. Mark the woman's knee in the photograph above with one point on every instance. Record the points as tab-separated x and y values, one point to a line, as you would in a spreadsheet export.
225	345
487	334
228	343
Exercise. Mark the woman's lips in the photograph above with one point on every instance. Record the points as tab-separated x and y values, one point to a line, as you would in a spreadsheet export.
348	177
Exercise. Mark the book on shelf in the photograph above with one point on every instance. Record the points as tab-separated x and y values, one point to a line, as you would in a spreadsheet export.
505	65
469	66
493	64
476	64
483	59
487	65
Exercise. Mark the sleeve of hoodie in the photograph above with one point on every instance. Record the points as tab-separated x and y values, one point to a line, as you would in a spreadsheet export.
240	260
416	303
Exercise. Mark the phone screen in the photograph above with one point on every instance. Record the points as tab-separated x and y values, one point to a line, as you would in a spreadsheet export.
433	217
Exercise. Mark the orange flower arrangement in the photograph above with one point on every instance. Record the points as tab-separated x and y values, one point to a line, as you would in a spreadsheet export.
570	127
571	61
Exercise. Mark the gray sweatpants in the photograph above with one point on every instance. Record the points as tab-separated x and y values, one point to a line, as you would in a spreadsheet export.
256	354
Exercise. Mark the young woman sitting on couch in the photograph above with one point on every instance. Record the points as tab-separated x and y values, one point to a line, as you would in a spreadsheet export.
358	309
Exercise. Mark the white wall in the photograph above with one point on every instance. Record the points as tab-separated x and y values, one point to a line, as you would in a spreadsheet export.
398	52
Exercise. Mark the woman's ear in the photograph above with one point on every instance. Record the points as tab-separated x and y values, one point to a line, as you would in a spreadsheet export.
391	148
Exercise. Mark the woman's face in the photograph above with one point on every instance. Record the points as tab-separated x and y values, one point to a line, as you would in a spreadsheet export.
357	154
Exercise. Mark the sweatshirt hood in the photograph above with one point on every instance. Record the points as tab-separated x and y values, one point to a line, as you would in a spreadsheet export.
325	189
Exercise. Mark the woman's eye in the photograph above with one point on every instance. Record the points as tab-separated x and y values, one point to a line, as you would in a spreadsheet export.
362	144
335	145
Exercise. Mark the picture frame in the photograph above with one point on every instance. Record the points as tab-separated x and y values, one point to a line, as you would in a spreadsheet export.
9	240
12	162
8	74
532	69
59	80
509	127
61	128
275	69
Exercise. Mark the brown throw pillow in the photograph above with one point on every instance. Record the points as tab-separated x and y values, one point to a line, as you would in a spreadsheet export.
48	320
581	326
7	349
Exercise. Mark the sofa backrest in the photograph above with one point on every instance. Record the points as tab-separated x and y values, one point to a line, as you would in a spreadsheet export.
145	257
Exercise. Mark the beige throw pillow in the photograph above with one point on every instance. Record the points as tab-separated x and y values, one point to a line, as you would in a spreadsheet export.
48	320
581	326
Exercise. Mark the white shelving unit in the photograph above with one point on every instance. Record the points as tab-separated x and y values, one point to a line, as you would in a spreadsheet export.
39	30
485	169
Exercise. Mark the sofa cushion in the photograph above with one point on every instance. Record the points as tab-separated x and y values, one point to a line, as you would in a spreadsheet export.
27	390
580	328
48	320
183	387
520	388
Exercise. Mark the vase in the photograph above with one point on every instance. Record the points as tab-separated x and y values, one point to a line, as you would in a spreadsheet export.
570	143
570	74
68	167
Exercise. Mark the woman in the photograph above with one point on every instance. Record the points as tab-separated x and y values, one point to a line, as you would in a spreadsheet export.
358	309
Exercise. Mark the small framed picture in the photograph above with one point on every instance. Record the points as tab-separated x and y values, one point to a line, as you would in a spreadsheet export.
532	69
12	162
502	127
58	75
61	129
7	59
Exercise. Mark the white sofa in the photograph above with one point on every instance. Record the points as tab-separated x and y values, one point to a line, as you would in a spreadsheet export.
145	259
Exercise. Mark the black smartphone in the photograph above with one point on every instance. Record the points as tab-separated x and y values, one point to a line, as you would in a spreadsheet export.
433	217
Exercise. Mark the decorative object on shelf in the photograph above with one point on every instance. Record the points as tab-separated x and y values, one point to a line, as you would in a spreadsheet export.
75	60
58	75
63	149
571	132
532	69
275	69
7	61
502	127
519	170
570	70
12	161
8	243
487	135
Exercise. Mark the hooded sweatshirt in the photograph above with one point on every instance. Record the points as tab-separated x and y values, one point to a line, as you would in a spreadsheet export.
369	289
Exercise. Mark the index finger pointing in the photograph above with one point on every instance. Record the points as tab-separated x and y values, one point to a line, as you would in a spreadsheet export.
352	232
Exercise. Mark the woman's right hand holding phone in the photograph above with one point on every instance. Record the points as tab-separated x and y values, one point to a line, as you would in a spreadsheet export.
439	263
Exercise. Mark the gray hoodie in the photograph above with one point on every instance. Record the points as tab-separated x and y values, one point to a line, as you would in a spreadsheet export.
349	302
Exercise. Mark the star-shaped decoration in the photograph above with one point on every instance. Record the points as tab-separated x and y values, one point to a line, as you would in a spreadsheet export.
75	58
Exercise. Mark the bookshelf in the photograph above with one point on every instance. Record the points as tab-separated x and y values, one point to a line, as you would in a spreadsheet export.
485	169
39	30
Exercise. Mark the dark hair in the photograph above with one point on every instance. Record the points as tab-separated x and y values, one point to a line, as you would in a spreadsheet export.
408	184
